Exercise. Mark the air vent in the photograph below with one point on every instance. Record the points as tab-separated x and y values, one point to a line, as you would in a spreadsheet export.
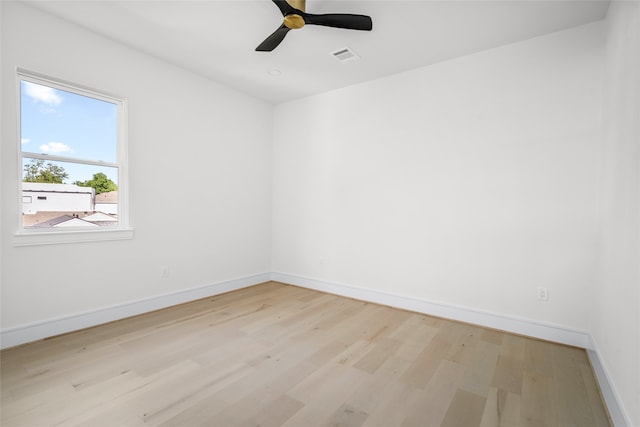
345	54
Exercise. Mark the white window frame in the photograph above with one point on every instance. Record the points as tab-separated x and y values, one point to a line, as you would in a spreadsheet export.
32	237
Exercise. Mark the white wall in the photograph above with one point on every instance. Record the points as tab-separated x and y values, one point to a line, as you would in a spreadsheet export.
184	141
470	182
616	319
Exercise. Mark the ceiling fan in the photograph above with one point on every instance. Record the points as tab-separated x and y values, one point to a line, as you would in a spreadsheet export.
295	17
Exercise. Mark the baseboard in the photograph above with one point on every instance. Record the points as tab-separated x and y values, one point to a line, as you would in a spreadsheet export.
32	332
617	413
517	325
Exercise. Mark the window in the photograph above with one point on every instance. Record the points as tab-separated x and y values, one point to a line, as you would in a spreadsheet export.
72	149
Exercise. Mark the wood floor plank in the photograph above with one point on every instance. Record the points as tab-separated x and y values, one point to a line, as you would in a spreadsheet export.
395	403
277	413
279	355
377	355
599	413
492	336
508	374
481	366
538	357
436	397
537	404
427	362
376	387
569	391
164	404
502	409
346	416
323	396
465	410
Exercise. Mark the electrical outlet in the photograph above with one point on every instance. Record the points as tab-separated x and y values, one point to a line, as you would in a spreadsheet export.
543	293
164	271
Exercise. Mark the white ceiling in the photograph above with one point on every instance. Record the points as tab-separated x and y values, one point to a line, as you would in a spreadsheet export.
216	38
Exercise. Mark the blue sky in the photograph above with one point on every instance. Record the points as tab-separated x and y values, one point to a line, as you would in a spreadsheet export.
61	123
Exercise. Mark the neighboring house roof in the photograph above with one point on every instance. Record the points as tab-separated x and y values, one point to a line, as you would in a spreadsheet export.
100	217
55	188
51	219
110	197
52	222
40	217
76	222
65	221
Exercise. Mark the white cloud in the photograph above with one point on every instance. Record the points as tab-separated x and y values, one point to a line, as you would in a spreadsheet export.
25	140
55	148
42	94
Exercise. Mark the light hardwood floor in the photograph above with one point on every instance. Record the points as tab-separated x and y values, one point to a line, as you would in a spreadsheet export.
279	355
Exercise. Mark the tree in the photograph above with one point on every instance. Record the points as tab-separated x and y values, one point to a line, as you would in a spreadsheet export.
100	182
37	171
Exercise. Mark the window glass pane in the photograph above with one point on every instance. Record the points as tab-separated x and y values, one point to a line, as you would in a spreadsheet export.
62	123
64	194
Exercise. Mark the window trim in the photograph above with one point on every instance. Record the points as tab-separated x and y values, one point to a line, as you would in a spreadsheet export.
31	237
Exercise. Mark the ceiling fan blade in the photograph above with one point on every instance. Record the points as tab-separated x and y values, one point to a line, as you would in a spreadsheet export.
273	40
285	7
340	20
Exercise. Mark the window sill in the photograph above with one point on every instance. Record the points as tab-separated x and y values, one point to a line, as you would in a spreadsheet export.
80	236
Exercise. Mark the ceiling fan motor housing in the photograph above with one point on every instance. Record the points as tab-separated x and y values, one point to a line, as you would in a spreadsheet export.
294	21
